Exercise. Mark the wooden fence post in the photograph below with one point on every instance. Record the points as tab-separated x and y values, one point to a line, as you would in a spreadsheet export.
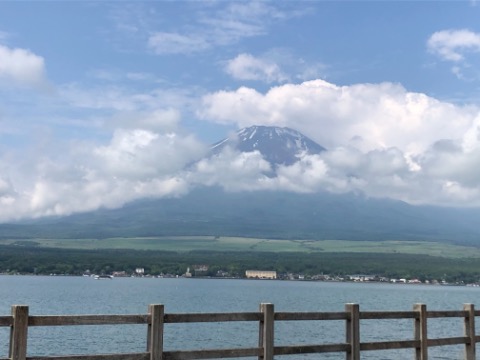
155	332
352	331
469	326
18	333
421	352
266	332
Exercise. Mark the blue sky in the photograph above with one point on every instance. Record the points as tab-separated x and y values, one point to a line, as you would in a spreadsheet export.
102	103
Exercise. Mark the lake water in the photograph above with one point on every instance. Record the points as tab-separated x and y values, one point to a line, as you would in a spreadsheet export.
83	295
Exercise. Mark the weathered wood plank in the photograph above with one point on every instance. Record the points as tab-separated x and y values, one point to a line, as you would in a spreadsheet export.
352	331
6	321
268	330
447	341
445	314
385	315
288	316
67	320
133	356
156	318
389	345
155	332
420	332
212	317
211	354
469	331
18	333
310	349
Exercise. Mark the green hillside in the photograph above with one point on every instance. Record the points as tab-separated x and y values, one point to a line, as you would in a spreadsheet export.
183	244
264	215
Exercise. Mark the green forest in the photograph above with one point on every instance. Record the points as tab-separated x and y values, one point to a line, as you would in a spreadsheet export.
30	259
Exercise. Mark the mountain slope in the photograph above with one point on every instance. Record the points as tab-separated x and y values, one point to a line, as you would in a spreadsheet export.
280	215
264	214
277	145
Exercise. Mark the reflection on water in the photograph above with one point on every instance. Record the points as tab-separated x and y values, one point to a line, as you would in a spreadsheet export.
79	295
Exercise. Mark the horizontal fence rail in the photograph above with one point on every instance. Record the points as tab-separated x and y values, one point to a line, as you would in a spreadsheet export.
156	319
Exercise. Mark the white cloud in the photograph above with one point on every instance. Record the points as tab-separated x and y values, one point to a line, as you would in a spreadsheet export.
218	24
248	67
7	192
133	164
232	170
444	179
140	154
382	115
174	43
237	21
457	46
452	44
277	65
382	140
56	198
21	67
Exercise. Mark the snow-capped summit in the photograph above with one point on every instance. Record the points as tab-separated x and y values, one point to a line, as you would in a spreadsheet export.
278	145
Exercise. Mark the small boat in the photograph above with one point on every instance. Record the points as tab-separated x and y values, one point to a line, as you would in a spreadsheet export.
103	277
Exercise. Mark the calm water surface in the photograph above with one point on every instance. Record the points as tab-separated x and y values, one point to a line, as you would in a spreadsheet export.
81	295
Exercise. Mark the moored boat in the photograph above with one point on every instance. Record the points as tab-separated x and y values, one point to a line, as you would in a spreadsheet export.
103	277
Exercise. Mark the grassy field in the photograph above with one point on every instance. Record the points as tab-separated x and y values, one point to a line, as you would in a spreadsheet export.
209	243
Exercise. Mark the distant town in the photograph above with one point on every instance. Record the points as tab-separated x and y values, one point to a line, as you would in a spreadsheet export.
202	271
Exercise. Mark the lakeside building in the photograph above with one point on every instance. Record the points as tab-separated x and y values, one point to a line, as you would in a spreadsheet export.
200	270
260	274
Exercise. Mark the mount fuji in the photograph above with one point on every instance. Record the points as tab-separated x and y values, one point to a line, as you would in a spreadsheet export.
278	145
209	210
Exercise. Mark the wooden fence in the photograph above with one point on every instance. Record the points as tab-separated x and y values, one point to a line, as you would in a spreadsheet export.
155	320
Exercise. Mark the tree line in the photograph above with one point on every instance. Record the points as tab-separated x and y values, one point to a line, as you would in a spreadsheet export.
29	259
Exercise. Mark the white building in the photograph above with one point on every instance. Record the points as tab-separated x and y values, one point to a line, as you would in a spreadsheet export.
260	274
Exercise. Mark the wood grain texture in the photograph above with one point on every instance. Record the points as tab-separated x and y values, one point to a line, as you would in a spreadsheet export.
155	321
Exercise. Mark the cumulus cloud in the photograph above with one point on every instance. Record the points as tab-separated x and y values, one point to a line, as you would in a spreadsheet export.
382	173
445	177
56	198
134	164
21	67
248	67
452	44
372	115
139	154
232	170
382	140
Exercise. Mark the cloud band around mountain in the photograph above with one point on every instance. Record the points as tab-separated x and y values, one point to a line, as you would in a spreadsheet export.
382	141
